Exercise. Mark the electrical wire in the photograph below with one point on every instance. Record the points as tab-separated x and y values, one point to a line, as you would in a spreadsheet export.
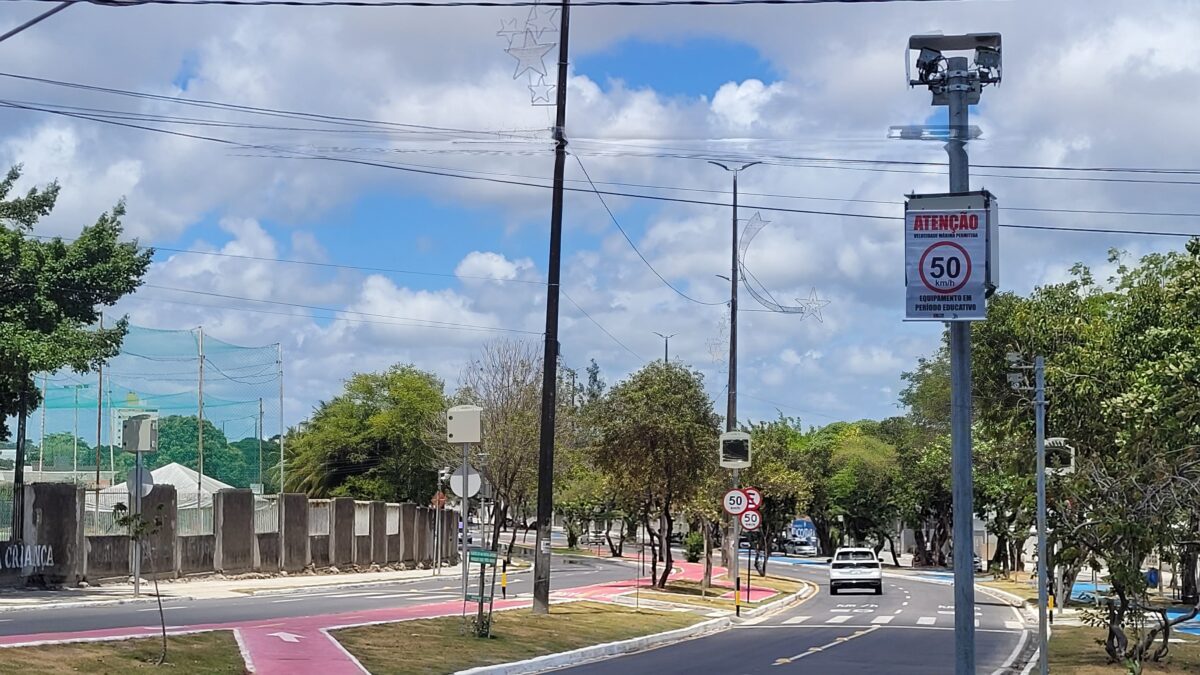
476	3
601	327
633	245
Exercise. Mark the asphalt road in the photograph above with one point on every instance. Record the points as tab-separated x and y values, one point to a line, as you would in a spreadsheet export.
907	630
306	602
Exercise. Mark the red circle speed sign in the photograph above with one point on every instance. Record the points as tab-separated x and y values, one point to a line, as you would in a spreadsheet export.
945	267
753	498
735	502
751	520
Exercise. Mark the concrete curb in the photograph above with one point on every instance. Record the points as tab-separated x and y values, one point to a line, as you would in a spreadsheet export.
80	604
809	590
595	652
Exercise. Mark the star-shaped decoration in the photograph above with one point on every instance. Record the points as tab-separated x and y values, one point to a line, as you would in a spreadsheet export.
541	91
813	305
529	56
509	30
541	20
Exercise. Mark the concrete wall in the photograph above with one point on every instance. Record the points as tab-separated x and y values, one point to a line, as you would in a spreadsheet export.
362	550
393	548
449	536
195	554
408	533
424	535
159	506
293	528
379	532
341	531
267	558
233	525
108	556
318	546
54	549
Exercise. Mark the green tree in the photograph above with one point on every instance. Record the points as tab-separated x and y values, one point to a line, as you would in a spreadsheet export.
51	295
655	436
249	450
374	441
777	474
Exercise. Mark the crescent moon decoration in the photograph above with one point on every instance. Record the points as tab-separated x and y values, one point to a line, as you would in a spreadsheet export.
810	307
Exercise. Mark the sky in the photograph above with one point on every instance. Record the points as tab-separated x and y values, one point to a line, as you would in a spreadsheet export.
341	239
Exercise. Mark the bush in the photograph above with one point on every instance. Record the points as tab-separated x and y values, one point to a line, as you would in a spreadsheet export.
693	547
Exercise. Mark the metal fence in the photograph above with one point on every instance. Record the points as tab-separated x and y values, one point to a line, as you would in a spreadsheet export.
194	521
266	515
318	517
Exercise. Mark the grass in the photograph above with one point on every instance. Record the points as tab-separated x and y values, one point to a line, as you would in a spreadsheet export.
1018	584
1074	651
436	645
689	593
215	652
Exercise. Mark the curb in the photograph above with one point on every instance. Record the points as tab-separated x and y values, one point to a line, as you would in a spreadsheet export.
81	604
595	652
809	590
457	575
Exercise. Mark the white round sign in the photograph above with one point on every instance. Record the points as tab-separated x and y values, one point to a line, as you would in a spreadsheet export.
753	498
751	520
735	502
465	481
945	267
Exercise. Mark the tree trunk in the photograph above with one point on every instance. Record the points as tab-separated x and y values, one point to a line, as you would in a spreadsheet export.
498	517
617	550
921	554
162	618
892	548
664	539
512	540
653	537
728	545
706	580
765	536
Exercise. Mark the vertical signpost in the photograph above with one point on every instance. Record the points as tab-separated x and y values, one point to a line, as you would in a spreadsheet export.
463	426
139	435
734	453
484	594
751	520
950	269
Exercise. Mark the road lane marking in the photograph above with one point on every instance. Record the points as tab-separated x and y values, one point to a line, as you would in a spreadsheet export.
276	602
926	621
904	604
951	613
1014	625
841	618
155	609
796	619
350	595
897	611
836	642
882	619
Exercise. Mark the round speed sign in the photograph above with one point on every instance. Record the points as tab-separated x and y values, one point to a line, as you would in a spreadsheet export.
751	520
945	267
735	502
753	498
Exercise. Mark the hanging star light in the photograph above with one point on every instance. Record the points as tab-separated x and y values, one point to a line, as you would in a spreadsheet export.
541	20
542	91
530	56
814	305
509	30
811	307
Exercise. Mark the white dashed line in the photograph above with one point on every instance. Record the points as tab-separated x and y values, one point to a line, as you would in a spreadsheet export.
796	619
839	619
276	602
155	609
882	619
926	621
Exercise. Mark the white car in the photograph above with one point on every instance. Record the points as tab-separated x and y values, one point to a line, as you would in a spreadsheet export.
855	568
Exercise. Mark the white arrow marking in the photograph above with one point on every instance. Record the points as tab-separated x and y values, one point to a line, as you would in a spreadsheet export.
286	637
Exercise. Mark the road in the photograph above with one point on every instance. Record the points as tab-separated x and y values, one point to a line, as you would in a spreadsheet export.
307	602
907	630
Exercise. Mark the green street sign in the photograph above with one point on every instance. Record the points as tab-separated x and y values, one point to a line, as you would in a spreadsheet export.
481	556
473	597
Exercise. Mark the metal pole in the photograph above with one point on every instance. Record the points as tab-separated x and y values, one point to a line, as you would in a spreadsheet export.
731	398
1039	369
99	431
737	548
259	435
42	443
75	442
958	82
281	429
136	489
464	508
200	423
545	490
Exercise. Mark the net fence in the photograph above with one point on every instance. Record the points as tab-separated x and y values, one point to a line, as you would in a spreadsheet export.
218	407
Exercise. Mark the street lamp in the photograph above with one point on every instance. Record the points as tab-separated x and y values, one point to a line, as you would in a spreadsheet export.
666	344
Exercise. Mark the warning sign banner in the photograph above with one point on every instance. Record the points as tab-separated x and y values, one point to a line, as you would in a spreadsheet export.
945	264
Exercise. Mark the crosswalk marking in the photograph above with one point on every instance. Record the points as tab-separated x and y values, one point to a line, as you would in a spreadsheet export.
1014	625
796	619
977	623
926	621
951	612
841	618
883	619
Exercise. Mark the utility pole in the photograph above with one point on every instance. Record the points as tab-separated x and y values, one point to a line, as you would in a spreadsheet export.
666	345
200	423
731	389
1039	370
259	435
42	443
545	489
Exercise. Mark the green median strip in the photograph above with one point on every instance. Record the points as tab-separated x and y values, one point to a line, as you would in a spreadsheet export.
215	652
437	646
1076	650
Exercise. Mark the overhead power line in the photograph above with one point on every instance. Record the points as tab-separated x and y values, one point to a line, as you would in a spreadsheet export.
476	3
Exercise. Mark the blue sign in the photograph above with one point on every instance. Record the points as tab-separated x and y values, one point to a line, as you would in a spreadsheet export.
803	528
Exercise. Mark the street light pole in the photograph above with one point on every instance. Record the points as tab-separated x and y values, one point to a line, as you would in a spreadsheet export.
1039	370
666	345
731	389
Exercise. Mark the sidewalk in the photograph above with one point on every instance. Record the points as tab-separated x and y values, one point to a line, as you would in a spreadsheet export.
209	588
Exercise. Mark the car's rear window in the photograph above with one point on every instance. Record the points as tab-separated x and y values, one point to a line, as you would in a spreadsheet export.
856	555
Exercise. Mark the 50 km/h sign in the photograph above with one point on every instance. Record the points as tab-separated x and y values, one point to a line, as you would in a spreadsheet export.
735	502
751	520
950	265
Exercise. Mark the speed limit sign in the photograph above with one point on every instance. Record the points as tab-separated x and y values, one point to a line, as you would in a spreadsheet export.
753	498
735	502
950	264
751	520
